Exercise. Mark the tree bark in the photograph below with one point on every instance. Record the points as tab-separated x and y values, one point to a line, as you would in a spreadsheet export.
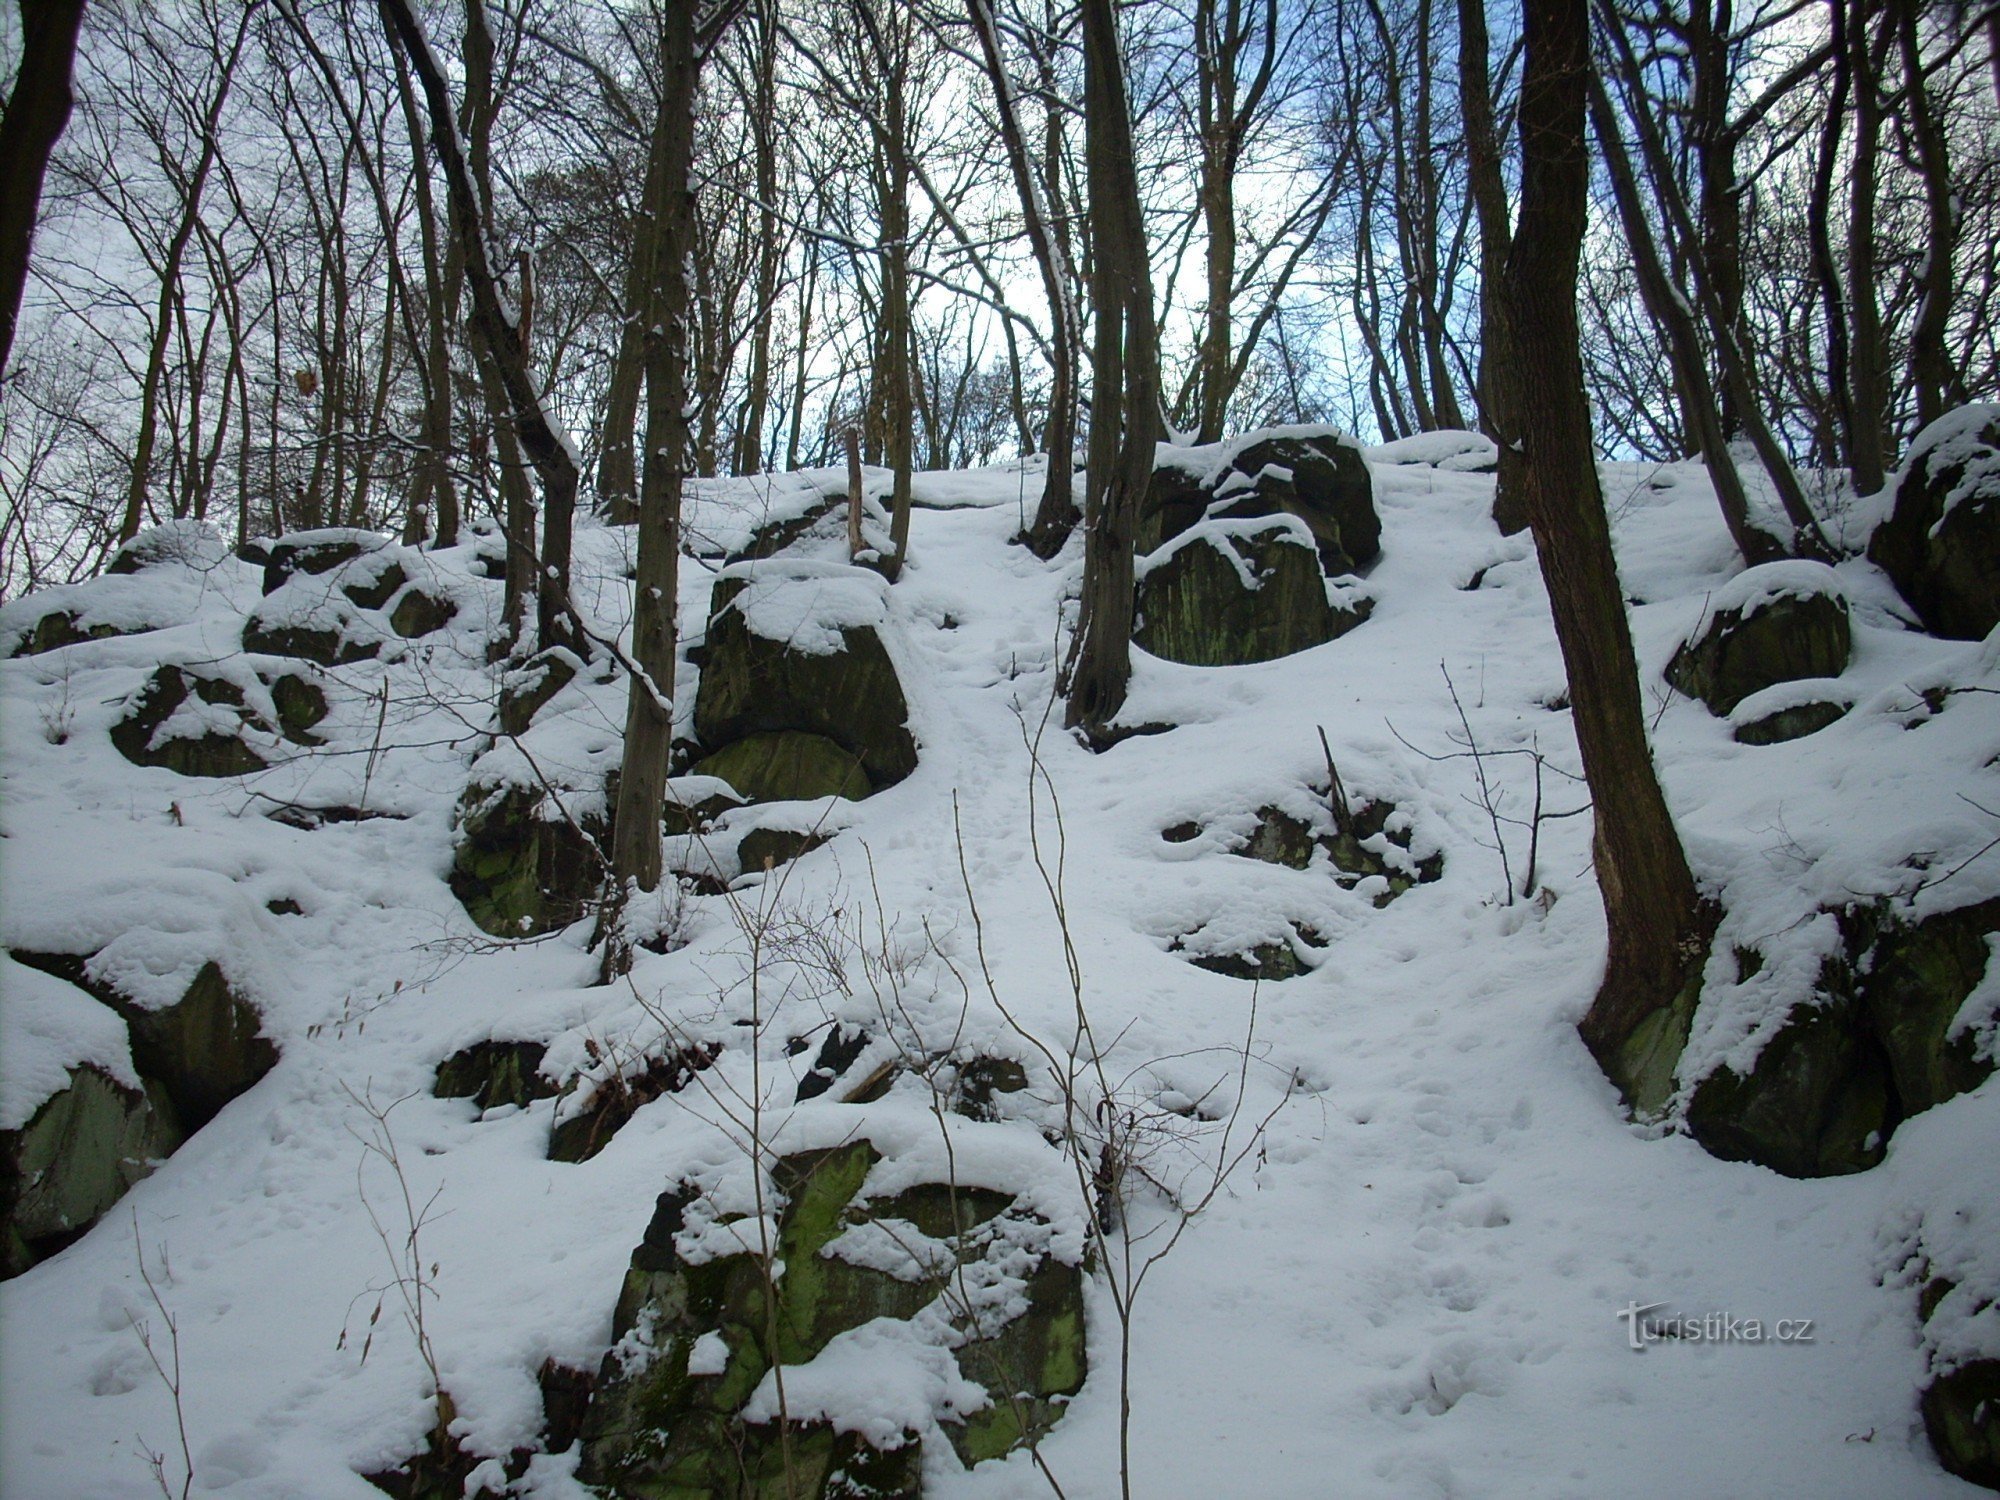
1672	316
1057	515
635	844
1499	360
1658	927
1125	385
37	110
494	326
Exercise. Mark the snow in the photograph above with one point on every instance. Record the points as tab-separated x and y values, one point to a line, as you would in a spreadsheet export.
1412	1279
808	605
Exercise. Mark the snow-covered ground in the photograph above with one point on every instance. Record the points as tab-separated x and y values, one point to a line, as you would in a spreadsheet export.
1410	1286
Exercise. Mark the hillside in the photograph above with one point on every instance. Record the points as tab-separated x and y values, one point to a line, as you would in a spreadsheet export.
1404	1208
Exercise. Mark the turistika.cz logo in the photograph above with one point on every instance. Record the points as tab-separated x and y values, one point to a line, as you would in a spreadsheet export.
1709	1328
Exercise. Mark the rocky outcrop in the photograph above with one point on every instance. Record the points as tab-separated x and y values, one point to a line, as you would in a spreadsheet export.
830	679
787	766
1883	1039
59	628
696	1333
1368	842
93	1138
1776	623
522	866
202	725
581	1133
1941	542
495	1074
74	1159
1312	474
316	552
1237	593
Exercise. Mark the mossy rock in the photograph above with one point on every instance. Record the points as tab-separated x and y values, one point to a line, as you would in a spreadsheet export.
656	1427
301	704
773	537
1782	638
1941	543
1269	962
1280	839
1312	474
1176	498
615	1101
1196	607
1791	723
1818	1102
529	688
202	1051
419	612
767	848
205	1049
213	753
1962	1418
371	583
1912	980
1367	848
1328	488
789	766
75	1158
317	552
751	685
1829	1089
492	1074
518	873
190	543
59	628
330	646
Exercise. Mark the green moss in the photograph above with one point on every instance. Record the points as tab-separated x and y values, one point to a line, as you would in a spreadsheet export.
1818	1103
211	754
1194	607
517	873
492	1074
1644	1065
753	685
1962	1417
74	1159
788	766
656	1430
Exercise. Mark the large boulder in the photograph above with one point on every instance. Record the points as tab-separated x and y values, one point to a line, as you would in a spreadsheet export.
683	1403
1941	542
785	767
203	725
316	552
1779	622
78	1125
1236	592
186	543
1885	1038
74	1158
522	867
799	650
1313	474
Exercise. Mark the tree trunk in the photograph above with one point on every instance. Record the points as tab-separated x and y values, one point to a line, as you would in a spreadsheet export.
495	330
1868	356
1125	385
1932	369
1658	927
37	110
635	846
1499	360
1675	320
1057	515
